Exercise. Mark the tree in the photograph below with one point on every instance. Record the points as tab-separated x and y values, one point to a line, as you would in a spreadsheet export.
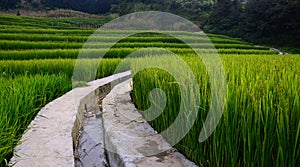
9	4
274	22
225	15
272	19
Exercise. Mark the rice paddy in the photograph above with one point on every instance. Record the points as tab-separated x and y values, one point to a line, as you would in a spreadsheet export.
260	125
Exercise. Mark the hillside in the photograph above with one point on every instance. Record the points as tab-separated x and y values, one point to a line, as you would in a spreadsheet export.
56	23
260	125
275	23
107	6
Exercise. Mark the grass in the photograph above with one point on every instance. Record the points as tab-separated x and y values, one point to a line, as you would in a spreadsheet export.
22	30
261	122
24	96
112	53
38	37
22	45
28	85
57	23
14	68
108	38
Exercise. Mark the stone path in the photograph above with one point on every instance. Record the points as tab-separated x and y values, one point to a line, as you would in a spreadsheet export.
131	140
113	133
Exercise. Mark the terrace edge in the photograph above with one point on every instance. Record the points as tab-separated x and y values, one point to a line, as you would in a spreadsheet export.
49	139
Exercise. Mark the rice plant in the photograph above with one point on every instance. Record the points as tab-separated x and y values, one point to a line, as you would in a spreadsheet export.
14	68
261	122
24	96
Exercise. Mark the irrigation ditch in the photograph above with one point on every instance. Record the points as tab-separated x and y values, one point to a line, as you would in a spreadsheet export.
89	147
97	125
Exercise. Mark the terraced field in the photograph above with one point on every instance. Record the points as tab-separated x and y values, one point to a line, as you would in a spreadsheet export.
261	121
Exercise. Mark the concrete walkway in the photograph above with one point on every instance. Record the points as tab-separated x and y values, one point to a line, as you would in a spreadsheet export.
51	136
127	139
130	140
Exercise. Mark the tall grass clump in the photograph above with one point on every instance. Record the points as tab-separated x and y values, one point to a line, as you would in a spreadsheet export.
108	38
46	37
22	30
26	86
21	45
261	122
260	125
14	68
21	99
112	53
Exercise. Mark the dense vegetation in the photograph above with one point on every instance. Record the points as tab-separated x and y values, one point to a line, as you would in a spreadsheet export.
26	86
7	22
261	122
21	99
268	22
264	21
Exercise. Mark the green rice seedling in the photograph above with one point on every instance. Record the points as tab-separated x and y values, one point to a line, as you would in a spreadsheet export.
111	53
26	45
36	37
109	38
38	54
174	40
16	68
62	53
178	45
182	33
29	85
21	99
190	52
66	53
21	45
57	23
246	51
13	44
260	124
239	46
19	30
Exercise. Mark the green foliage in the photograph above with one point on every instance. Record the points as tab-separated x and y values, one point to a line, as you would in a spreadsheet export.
24	96
112	53
29	85
54	23
9	4
61	32
261	122
38	56
190	9
23	45
262	21
90	6
13	68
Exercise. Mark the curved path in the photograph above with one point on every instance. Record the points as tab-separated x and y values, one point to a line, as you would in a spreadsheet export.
127	139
